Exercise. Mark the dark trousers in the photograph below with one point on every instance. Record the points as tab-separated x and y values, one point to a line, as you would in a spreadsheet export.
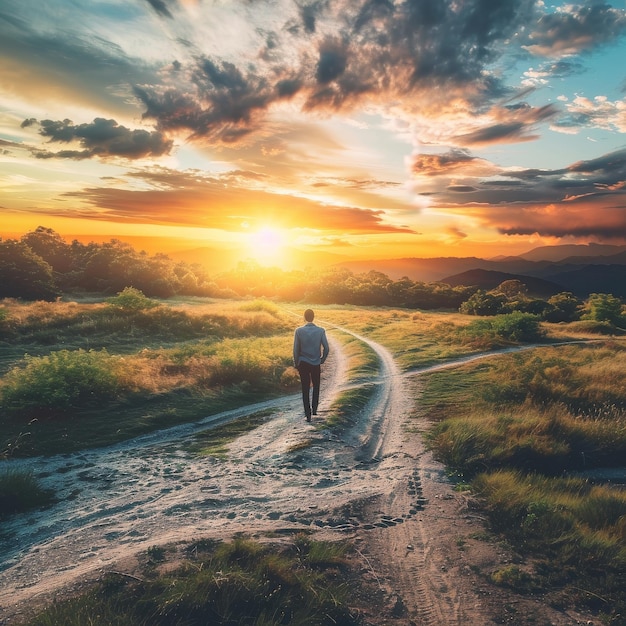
310	376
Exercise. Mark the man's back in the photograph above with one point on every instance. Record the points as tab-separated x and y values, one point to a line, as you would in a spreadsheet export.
309	341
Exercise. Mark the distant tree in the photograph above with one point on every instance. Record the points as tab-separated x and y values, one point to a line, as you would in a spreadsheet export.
51	247
603	307
481	303
565	307
511	289
24	274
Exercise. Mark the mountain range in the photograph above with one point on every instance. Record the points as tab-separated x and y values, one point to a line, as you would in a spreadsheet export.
546	270
580	269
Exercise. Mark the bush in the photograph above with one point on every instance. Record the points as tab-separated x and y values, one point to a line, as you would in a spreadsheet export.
57	383
19	491
131	299
261	306
516	327
602	307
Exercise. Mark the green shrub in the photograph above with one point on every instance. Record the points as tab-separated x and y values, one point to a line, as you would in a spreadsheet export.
514	577
131	299
518	326
60	382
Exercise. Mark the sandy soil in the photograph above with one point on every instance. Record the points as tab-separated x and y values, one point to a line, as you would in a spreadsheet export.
418	541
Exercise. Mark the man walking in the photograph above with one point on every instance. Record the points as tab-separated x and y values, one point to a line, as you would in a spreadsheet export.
310	349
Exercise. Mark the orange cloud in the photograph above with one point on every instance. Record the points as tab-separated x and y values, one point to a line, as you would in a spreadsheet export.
184	199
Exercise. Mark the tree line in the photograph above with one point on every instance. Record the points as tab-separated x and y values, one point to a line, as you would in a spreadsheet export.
41	265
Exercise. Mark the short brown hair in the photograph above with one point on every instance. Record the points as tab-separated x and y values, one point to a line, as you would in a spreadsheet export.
309	315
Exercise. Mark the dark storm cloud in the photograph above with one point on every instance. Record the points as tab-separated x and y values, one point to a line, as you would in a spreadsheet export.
605	175
587	198
607	169
494	134
222	100
308	16
377	49
419	54
566	32
101	138
332	61
521	120
461	188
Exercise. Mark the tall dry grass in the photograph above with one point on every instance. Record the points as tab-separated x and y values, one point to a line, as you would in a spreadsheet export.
136	369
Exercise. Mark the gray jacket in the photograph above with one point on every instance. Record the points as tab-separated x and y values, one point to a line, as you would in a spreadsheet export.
310	344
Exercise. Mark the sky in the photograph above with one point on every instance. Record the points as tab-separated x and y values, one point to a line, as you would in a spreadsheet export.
358	128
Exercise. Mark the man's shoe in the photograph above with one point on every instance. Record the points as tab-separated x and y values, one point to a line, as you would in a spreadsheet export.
308	418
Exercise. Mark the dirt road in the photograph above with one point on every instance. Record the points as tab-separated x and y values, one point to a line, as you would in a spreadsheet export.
374	484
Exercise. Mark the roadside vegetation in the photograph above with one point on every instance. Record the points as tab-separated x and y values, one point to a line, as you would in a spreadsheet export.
20	491
78	375
420	338
531	434
302	583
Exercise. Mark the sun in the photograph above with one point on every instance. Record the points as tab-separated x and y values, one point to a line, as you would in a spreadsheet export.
268	245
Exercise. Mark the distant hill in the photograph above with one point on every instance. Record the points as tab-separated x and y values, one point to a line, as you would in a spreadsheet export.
613	259
489	279
581	274
422	270
594	279
560	253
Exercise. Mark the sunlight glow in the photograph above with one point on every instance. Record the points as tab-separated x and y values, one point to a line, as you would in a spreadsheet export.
268	246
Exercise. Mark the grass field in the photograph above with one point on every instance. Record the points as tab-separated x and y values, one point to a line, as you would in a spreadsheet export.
526	432
514	428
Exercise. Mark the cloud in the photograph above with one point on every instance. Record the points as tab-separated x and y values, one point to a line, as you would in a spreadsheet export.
101	138
160	6
438	164
428	57
220	101
604	222
335	56
513	124
585	199
573	29
599	112
218	202
73	64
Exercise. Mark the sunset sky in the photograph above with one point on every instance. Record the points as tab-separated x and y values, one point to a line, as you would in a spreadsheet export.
368	129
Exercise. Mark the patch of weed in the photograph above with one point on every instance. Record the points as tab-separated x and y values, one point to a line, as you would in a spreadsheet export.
240	582
20	491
